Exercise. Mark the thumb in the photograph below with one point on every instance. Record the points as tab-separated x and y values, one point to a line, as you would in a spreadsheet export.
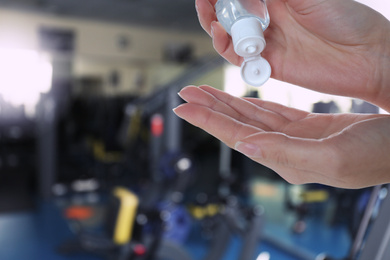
277	150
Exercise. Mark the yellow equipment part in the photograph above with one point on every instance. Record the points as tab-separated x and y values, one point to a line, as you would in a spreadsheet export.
200	212
126	215
315	196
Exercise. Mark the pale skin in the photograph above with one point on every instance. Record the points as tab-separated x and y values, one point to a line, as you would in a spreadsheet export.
331	46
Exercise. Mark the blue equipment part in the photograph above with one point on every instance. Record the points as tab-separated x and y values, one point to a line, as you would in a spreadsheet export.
177	222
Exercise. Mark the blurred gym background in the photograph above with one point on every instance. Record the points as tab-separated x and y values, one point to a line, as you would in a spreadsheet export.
94	164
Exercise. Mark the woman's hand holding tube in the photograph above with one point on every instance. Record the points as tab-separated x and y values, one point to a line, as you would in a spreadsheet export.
332	46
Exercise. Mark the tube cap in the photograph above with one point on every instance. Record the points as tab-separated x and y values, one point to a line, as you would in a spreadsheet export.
255	71
248	40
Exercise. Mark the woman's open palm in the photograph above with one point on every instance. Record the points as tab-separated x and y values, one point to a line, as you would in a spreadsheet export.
342	150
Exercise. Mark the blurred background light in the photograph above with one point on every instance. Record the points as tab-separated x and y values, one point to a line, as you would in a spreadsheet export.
24	75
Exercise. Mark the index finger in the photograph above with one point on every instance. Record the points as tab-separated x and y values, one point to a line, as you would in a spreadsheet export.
206	13
219	125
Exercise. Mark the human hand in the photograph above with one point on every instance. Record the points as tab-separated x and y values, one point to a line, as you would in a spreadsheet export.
340	150
332	46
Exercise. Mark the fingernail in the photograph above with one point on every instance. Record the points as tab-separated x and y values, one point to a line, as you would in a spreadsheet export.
212	29
174	111
248	149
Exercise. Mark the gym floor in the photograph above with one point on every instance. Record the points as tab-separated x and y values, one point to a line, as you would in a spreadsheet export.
36	234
